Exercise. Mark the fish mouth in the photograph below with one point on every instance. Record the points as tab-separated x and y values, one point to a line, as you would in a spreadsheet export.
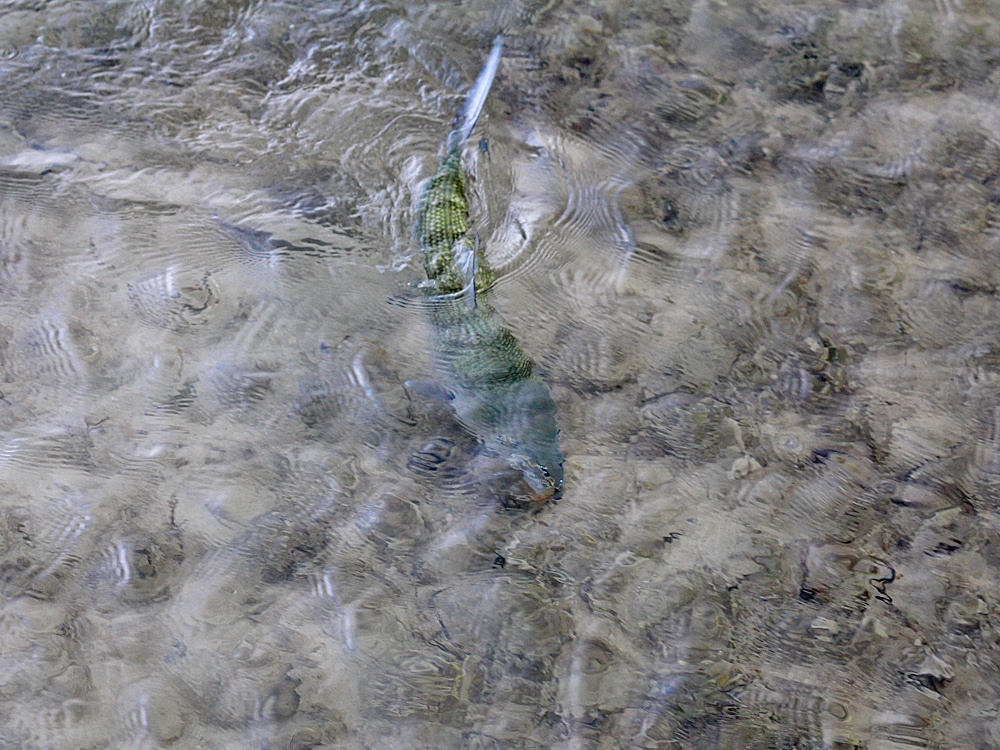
549	493
537	476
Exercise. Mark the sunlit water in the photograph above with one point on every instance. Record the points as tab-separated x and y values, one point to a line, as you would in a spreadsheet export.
753	249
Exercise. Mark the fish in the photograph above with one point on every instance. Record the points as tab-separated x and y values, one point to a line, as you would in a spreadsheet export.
488	379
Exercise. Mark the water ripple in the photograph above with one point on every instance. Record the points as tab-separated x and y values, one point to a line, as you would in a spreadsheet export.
752	258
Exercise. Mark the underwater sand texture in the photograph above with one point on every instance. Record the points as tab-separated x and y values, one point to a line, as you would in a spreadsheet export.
753	248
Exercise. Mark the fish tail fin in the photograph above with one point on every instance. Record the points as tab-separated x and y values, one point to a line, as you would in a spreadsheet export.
473	107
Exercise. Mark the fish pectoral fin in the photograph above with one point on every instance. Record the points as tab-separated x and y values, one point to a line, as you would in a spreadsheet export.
466	254
430	389
470	295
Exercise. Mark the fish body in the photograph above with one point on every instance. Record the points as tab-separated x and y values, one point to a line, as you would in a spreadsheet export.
490	381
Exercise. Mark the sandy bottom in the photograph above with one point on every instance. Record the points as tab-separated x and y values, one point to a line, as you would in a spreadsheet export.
753	250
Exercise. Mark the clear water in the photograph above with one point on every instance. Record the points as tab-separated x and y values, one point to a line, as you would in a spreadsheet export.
753	248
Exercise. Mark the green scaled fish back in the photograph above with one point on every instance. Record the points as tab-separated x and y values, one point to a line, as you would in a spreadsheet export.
443	223
444	220
476	348
444	215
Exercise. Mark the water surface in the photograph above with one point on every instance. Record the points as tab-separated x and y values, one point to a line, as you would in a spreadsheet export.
752	248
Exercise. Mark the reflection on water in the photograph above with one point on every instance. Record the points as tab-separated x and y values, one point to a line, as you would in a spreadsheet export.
752	248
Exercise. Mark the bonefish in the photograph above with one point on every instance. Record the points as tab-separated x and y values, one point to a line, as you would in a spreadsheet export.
489	380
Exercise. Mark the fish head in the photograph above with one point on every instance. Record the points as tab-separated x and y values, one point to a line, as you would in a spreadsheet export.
532	438
517	420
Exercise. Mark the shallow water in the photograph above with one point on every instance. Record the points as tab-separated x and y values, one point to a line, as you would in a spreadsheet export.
753	249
